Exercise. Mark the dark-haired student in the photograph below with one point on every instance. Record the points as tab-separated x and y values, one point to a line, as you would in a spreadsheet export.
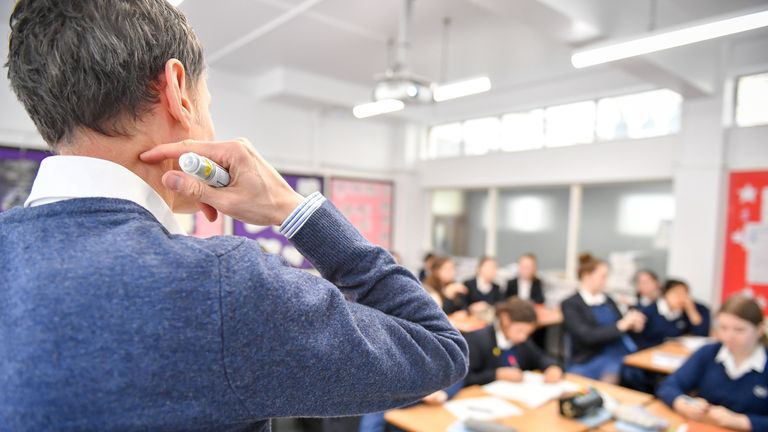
526	285
502	351
599	334
427	262
647	287
729	377
482	290
674	314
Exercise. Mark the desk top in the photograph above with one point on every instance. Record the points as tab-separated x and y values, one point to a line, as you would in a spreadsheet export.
424	418
644	359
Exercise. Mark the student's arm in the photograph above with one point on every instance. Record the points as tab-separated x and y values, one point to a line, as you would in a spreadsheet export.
582	330
537	291
703	328
533	358
366	338
758	422
481	368
684	380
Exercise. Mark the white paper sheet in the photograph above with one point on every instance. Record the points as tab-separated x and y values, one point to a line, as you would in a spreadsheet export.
482	408
693	343
667	361
532	391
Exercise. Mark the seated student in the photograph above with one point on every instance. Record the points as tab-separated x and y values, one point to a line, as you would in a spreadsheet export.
424	271
483	291
375	422
729	377
526	285
502	351
442	286
647	287
599	334
674	314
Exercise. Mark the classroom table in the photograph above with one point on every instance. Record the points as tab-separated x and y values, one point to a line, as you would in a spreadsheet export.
466	322
547	316
643	359
424	418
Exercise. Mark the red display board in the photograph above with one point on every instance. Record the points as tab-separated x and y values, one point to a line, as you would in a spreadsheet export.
746	241
368	205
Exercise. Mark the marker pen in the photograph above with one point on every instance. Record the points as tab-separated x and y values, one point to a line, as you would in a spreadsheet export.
205	169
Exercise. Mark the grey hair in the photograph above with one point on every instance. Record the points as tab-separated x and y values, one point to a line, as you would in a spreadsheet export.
94	64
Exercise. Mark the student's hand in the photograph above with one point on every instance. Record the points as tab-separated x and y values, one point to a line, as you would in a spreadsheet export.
625	323
454	290
726	418
691	312
256	194
553	374
639	321
436	398
509	374
692	408
478	307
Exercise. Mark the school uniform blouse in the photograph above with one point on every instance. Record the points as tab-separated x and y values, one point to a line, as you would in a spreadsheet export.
712	373
663	324
489	293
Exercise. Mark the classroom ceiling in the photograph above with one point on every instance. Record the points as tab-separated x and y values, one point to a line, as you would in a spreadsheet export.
326	52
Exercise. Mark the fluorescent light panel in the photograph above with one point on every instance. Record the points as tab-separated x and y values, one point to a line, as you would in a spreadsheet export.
461	88
670	39
376	108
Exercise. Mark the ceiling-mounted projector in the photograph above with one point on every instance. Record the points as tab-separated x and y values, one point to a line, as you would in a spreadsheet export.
398	86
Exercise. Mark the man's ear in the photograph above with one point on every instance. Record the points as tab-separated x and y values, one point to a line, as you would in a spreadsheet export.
179	100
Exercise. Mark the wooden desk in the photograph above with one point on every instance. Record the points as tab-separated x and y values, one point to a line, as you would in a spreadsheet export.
658	408
644	359
466	323
423	418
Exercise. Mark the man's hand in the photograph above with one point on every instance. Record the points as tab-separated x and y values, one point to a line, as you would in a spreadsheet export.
256	194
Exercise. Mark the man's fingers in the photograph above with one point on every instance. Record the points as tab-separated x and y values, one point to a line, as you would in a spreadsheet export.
212	150
186	185
210	213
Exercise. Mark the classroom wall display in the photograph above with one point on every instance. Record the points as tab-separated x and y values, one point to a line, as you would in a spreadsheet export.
269	237
197	225
746	239
18	168
368	205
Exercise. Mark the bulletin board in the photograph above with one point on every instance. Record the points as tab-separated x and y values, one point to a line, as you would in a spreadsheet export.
269	237
746	239
368	204
18	168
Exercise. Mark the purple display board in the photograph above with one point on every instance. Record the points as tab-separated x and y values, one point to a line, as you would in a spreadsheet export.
18	168
269	237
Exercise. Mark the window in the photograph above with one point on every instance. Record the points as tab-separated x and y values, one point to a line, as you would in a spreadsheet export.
641	115
522	131
570	124
444	141
752	100
459	222
481	136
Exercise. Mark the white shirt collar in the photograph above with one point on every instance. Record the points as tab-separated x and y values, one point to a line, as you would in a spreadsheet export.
524	288
592	299
755	362
501	341
483	287
66	177
664	310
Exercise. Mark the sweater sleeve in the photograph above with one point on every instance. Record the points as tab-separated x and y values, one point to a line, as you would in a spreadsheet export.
535	358
481	368
365	338
758	422
685	378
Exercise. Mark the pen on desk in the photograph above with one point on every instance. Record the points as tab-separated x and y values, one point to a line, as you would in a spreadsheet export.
204	169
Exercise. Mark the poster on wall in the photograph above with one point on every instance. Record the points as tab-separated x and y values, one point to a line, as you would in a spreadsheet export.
18	168
746	241
197	225
269	237
368	205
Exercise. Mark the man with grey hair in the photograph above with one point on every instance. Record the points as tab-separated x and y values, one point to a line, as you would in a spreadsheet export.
112	319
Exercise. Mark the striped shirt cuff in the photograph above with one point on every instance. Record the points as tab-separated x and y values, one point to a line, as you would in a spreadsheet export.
301	214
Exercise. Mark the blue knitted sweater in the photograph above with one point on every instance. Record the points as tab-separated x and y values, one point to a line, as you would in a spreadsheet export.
108	322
